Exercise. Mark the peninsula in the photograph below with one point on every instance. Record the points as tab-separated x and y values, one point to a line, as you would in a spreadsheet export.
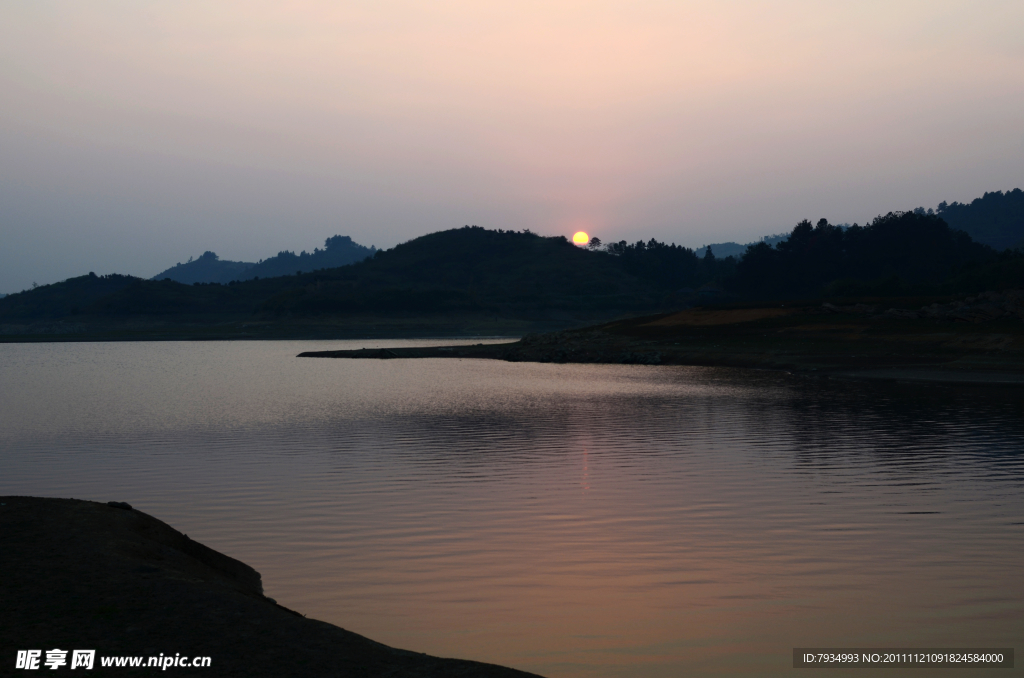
979	338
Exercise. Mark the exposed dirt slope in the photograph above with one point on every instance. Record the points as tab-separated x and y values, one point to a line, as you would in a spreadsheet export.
979	340
702	317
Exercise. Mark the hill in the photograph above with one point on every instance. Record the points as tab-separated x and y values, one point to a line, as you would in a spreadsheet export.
472	280
899	253
339	250
452	280
734	249
207	268
471	269
995	219
69	298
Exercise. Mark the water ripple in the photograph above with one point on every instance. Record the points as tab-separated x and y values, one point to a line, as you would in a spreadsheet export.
573	520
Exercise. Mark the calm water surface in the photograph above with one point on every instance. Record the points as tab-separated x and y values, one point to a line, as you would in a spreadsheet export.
572	520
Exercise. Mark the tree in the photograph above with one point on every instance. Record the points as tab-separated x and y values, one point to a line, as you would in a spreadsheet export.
913	247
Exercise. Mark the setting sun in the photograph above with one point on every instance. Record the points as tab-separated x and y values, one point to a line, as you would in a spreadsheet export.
581	238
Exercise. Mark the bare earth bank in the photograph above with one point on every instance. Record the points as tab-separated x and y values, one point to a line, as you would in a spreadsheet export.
983	343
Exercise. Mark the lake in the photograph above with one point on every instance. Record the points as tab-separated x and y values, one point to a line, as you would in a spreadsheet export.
571	520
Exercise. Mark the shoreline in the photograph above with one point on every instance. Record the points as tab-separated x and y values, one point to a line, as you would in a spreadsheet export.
930	374
85	575
806	341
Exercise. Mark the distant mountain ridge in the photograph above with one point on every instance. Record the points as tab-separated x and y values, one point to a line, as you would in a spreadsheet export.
206	269
996	219
722	250
339	250
477	272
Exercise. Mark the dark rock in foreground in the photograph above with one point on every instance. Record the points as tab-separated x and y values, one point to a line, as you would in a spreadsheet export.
84	575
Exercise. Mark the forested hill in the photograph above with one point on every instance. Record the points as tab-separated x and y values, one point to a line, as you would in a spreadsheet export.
472	269
207	268
69	298
995	219
338	250
509	274
902	252
461	271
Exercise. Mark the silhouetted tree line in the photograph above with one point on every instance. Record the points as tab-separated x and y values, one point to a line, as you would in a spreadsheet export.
68	298
898	253
521	274
471	269
339	250
995	219
895	250
671	267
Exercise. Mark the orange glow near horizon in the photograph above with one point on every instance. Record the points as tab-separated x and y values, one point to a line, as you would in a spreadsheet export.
581	238
249	128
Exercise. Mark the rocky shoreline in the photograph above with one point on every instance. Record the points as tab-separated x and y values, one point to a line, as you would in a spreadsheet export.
981	308
979	339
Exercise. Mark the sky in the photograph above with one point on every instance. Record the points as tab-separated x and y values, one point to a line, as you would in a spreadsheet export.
134	135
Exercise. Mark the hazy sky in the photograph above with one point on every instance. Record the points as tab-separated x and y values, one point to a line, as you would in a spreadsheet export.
136	134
